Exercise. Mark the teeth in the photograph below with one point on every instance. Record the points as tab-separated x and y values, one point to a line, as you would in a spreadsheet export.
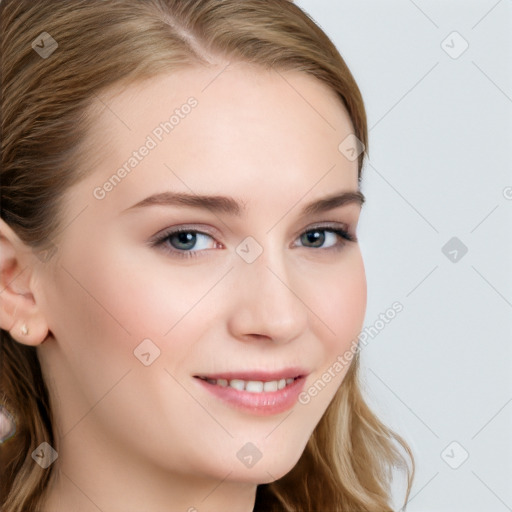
237	384
252	386
270	386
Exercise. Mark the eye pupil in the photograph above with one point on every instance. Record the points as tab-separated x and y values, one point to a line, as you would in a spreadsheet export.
314	237
186	237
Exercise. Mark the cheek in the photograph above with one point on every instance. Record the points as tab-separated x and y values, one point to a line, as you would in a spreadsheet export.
100	307
93	338
117	299
158	298
342	306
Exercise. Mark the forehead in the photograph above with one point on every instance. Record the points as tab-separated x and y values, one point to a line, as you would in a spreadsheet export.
209	129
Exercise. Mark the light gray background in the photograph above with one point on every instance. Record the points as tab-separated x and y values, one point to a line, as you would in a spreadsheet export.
440	167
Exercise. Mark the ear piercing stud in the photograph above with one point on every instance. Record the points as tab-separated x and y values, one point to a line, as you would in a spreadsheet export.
24	329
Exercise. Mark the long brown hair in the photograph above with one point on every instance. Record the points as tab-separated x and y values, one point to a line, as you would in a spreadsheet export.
46	116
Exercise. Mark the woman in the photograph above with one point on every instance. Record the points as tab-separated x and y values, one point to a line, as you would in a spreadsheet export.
180	270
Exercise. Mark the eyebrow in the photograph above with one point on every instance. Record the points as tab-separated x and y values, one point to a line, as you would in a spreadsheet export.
229	205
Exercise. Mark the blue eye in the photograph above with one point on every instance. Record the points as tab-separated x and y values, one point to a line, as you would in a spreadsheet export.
318	237
187	240
186	243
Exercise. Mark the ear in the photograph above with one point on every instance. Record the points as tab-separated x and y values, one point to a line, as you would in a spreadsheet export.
19	312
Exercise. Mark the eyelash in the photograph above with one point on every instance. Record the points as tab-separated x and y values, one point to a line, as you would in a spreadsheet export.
162	239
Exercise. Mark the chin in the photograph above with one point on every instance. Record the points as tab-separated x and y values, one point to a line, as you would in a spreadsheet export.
265	472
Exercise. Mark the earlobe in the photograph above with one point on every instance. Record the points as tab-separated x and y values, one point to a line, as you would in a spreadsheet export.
27	334
28	329
19	312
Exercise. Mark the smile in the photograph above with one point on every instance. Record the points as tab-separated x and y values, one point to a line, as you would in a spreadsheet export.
252	386
256	392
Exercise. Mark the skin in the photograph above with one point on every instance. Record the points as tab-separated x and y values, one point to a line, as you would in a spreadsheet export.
134	437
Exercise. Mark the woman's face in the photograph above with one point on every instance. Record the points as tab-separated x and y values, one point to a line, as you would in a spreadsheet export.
258	287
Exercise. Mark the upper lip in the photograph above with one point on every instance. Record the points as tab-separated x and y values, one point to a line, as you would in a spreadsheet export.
257	375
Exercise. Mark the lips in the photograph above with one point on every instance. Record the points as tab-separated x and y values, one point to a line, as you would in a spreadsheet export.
256	391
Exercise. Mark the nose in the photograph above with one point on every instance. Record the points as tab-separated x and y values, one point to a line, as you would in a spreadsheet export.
267	301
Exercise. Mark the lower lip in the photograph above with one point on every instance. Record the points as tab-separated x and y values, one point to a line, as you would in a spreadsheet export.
263	404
